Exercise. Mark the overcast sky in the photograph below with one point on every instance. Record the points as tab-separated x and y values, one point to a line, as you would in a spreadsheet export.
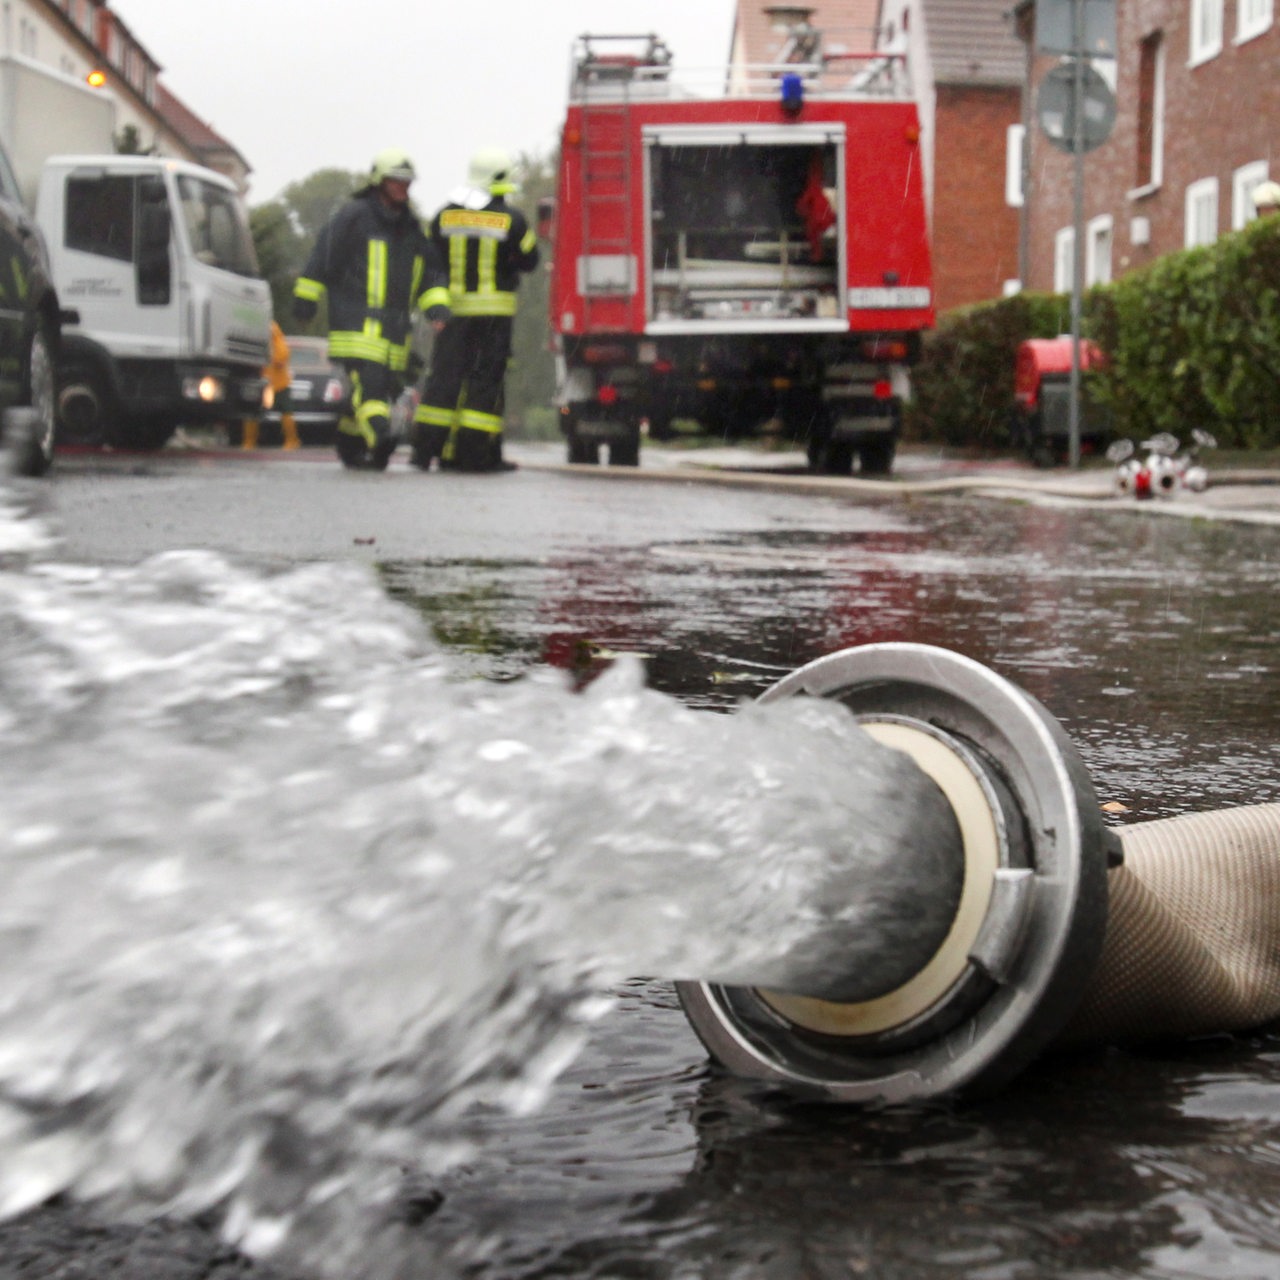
301	85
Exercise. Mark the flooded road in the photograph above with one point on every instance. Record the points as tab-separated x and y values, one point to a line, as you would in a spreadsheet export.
1152	640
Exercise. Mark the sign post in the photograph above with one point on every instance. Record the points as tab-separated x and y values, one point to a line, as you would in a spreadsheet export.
1077	112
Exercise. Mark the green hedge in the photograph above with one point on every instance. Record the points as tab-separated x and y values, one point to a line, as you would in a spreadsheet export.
1192	341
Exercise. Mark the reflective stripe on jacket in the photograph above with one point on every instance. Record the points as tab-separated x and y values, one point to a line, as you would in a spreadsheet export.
375	265
486	250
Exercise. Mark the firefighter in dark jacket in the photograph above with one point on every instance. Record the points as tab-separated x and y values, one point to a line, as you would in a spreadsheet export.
487	245
374	262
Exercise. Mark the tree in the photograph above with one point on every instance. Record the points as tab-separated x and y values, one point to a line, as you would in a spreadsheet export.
531	377
284	231
128	142
280	255
312	201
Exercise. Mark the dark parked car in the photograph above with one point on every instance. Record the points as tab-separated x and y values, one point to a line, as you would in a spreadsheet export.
319	391
30	331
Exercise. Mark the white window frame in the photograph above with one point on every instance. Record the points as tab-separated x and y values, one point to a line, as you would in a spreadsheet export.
1155	178
1064	260
1243	181
1014	150
1201	196
1097	264
1253	17
1206	30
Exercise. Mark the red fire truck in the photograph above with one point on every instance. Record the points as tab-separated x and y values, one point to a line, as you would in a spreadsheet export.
751	260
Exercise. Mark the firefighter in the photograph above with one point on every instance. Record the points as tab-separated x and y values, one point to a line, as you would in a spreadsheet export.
376	265
487	245
279	378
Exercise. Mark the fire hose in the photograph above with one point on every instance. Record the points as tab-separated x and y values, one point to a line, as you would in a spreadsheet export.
1057	929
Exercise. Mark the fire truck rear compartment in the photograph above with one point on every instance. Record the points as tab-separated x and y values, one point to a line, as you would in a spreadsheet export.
741	232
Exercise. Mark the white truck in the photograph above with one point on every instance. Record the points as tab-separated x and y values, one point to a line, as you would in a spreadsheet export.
165	319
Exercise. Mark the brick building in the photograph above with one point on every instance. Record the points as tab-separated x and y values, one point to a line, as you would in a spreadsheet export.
968	69
1197	127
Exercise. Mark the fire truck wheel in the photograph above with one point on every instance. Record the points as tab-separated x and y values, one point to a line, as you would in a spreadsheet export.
626	453
582	452
875	458
831	457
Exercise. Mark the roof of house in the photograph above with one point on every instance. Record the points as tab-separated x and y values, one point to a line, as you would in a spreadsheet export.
199	135
973	42
847	26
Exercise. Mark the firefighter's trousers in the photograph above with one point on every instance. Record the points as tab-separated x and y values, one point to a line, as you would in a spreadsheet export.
364	433
460	418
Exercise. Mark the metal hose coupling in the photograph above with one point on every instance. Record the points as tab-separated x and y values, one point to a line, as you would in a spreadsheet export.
1028	926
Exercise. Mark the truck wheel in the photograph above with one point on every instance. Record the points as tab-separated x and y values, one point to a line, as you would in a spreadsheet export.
831	457
87	411
626	453
582	452
876	457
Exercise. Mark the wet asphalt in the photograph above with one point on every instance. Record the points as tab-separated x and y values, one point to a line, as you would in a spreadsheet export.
275	508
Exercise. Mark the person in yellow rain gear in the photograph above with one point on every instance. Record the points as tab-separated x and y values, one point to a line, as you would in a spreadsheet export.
279	378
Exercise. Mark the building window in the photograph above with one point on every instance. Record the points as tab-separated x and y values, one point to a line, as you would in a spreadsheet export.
1015	142
1064	260
1206	30
1202	212
1097	250
1243	182
1253	17
1150	156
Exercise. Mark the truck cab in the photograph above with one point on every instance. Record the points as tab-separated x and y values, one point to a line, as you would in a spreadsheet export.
154	258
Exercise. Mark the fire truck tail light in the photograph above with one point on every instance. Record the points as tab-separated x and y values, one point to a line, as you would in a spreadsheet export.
883	389
912	133
607	394
885	349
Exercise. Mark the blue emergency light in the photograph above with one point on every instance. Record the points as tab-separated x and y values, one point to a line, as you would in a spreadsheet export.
792	93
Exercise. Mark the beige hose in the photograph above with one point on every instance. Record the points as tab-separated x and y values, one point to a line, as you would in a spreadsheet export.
1193	930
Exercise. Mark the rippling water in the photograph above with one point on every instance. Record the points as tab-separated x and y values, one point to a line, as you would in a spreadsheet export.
284	896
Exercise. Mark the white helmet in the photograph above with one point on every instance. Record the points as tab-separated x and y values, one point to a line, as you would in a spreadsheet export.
1266	195
490	167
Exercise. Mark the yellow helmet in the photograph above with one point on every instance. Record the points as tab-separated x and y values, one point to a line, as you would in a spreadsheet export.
391	163
490	167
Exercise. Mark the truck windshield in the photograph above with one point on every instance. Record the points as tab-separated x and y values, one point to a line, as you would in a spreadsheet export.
216	226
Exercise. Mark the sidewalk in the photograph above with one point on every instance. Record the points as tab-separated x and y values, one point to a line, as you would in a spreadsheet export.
1245	494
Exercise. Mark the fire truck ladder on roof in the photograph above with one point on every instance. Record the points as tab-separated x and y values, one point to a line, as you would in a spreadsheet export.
610	270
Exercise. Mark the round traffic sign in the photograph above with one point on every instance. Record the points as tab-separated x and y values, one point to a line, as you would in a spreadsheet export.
1056	106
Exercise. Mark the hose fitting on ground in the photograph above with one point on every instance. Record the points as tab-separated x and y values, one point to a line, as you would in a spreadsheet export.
1032	910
